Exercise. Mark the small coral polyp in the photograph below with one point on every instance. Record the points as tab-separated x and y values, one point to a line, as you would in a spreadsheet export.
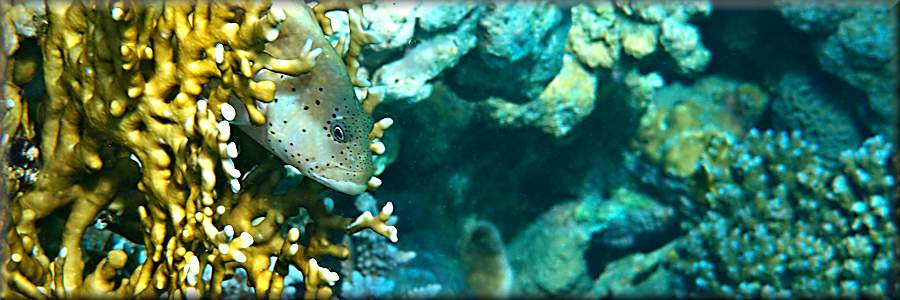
135	124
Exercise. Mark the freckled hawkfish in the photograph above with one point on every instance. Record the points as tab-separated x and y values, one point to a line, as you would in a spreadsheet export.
315	123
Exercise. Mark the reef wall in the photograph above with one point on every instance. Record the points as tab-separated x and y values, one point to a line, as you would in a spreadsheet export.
546	120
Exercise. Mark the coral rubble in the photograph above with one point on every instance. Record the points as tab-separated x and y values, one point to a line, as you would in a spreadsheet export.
133	128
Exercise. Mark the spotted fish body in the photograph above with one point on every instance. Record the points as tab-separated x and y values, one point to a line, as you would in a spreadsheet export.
315	123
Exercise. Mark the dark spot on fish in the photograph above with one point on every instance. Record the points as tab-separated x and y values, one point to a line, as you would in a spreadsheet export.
325	128
305	107
293	89
321	89
279	141
334	115
317	101
272	132
303	130
292	144
276	100
285	121
337	109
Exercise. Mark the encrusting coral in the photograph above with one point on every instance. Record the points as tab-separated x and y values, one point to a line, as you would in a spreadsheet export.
135	123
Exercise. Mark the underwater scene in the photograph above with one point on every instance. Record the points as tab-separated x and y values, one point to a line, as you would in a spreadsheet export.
448	149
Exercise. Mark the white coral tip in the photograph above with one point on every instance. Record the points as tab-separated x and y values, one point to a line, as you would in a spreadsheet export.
307	45
374	182
293	234
329	276
279	14
272	34
386	123
388	208
364	217
246	240
228	112
239	256
224	129
377	147
229	231
392	234
117	13
219	53
315	53
232	151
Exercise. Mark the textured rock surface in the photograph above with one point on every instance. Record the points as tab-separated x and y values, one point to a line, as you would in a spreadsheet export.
574	243
856	43
547	258
804	102
408	79
567	100
520	48
863	52
818	18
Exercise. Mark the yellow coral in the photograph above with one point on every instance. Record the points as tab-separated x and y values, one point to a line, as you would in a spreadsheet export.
675	138
132	123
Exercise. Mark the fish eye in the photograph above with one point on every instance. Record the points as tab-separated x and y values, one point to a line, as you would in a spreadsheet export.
337	133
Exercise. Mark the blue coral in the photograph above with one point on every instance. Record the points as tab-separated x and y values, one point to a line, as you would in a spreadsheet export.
780	222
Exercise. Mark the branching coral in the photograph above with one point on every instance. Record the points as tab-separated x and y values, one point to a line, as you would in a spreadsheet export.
374	265
765	214
779	222
135	122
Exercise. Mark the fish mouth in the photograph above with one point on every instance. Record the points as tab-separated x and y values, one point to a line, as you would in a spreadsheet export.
341	179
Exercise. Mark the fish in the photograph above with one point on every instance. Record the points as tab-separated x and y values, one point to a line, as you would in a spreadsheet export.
315	122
